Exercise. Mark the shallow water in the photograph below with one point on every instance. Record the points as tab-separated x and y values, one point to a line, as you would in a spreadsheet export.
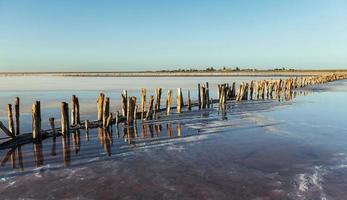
51	90
253	150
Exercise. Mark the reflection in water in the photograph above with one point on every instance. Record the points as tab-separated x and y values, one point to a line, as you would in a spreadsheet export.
169	130
53	151
65	140
178	128
104	137
76	141
38	154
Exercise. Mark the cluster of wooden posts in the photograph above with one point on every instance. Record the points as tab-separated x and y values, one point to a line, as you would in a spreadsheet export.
269	89
261	89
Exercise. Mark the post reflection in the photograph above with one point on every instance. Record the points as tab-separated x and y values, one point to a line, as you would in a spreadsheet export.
38	156
65	141
76	141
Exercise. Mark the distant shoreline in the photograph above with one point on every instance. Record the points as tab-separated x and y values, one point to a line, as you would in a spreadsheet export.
177	74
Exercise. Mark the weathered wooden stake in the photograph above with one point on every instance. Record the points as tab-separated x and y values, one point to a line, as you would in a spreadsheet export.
150	108
157	101
179	100
143	102
168	101
36	120
207	95
64	108
51	122
124	103
86	125
106	112
199	96
10	119
117	118
109	120
100	106
131	109
189	105
17	115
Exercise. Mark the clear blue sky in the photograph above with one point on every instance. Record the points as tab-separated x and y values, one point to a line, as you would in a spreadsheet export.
72	35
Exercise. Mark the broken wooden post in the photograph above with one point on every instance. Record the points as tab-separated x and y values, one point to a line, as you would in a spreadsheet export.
168	101
179	100
124	103
143	102
150	108
51	122
131	109
36	120
17	114
64	108
10	119
189	105
100	105
157	100
106	111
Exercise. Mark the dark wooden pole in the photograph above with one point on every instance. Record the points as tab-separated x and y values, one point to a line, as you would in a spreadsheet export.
17	115
36	120
64	118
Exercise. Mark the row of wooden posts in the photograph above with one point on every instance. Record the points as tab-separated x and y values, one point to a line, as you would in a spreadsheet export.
260	89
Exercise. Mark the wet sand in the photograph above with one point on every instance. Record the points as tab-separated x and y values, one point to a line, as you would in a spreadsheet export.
294	149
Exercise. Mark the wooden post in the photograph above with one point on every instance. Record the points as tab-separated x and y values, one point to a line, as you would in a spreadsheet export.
73	110
86	125
203	96
251	88
168	101
106	111
10	119
150	108
77	112
207	95
135	112
36	120
100	106
179	100
233	91
124	103
51	122
199	96
157	101
143	102
117	118
109	121
16	109
131	109
189	105
64	108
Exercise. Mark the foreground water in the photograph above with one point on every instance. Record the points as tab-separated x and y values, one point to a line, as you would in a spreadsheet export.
254	150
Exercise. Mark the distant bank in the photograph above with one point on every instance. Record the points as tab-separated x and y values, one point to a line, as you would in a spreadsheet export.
178	74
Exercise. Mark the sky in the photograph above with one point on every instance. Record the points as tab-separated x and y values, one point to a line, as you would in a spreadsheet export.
101	35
